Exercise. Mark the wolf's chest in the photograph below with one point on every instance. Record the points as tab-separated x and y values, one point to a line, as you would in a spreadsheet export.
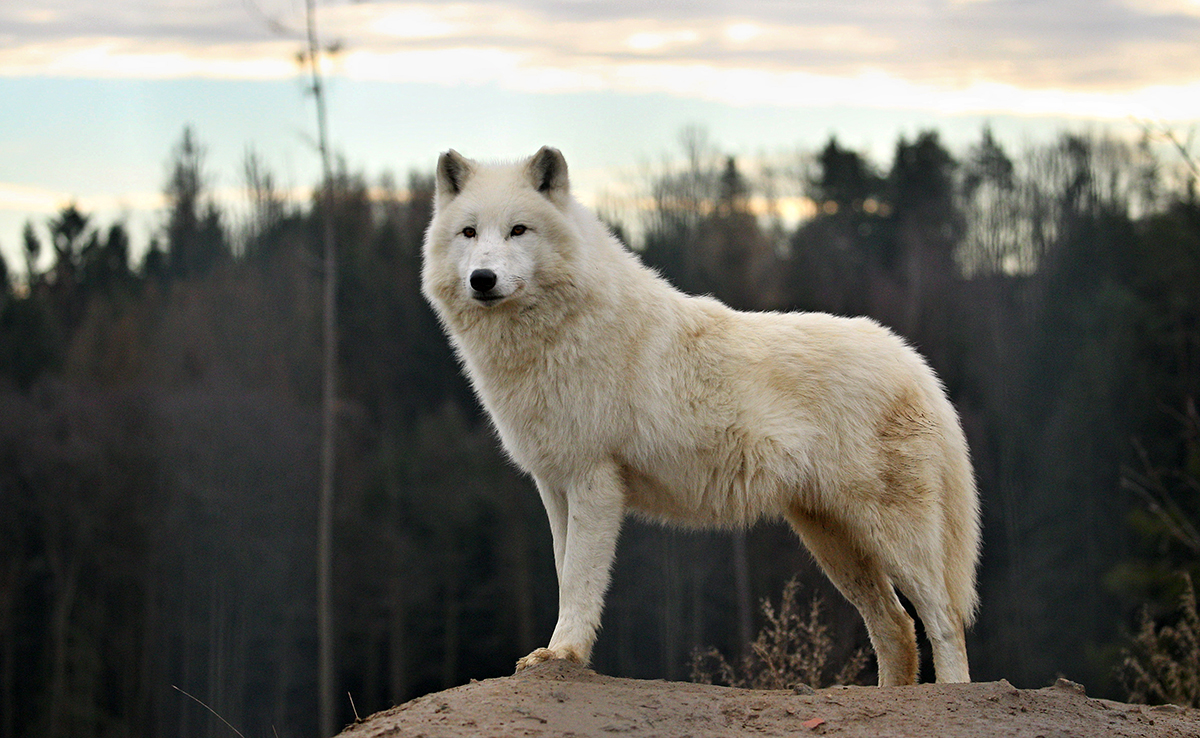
552	419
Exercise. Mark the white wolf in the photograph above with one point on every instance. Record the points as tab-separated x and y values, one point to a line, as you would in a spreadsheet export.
615	391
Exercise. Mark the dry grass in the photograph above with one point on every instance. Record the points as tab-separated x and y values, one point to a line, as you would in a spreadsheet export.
1163	663
793	648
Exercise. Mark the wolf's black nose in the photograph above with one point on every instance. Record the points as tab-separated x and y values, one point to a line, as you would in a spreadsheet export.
483	280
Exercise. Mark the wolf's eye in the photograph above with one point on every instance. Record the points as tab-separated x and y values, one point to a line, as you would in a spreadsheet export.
469	232
518	230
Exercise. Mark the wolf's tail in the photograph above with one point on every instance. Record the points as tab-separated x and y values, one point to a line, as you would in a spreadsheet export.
961	538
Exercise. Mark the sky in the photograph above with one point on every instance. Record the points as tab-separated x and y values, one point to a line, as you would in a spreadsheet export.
95	93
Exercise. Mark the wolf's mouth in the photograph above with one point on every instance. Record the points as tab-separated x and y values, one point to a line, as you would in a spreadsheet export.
488	298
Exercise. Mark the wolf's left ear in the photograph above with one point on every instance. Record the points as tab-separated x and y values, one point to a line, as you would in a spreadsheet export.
548	173
453	171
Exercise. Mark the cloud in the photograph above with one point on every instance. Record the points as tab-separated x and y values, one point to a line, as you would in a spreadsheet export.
24	198
1097	58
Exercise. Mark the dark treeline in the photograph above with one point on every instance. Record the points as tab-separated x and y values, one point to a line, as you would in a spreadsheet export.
159	430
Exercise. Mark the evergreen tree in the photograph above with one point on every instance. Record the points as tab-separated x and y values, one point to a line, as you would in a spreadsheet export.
844	181
105	264
837	255
195	236
68	231
32	249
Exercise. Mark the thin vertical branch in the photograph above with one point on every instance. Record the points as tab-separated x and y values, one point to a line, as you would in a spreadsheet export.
741	586
325	670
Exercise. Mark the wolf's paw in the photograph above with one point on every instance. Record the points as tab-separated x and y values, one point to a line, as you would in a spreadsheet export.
543	655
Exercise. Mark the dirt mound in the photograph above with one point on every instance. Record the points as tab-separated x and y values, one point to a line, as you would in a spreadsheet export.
561	699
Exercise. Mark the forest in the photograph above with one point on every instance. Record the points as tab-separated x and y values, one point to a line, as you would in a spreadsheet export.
160	422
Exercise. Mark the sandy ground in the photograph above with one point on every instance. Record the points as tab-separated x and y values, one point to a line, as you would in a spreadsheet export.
561	699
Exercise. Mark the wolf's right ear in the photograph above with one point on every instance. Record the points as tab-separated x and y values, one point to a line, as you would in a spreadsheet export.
453	171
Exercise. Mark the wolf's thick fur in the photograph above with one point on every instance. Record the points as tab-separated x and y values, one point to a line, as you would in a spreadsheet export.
616	391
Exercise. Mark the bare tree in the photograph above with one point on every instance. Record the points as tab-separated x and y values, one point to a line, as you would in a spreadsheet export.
268	204
325	657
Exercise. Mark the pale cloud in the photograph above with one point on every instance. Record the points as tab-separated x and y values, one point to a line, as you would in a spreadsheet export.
743	32
656	41
26	198
31	200
1092	58
115	57
1164	7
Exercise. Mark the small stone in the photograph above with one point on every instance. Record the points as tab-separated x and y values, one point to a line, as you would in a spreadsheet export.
1070	686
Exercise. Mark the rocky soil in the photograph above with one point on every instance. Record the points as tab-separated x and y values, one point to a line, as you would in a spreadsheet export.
562	699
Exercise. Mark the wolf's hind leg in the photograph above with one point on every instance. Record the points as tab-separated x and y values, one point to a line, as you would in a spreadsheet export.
943	626
861	579
949	651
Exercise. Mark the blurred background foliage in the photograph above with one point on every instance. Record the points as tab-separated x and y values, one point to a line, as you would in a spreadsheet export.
159	427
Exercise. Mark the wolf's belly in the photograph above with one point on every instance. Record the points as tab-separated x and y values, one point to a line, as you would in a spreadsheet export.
704	492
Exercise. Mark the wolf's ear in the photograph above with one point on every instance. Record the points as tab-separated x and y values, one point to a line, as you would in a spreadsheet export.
548	173
453	171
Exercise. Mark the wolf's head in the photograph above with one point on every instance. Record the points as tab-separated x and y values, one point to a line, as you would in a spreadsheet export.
499	233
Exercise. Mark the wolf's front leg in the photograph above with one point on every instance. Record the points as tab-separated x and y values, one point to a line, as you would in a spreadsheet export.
595	507
554	499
